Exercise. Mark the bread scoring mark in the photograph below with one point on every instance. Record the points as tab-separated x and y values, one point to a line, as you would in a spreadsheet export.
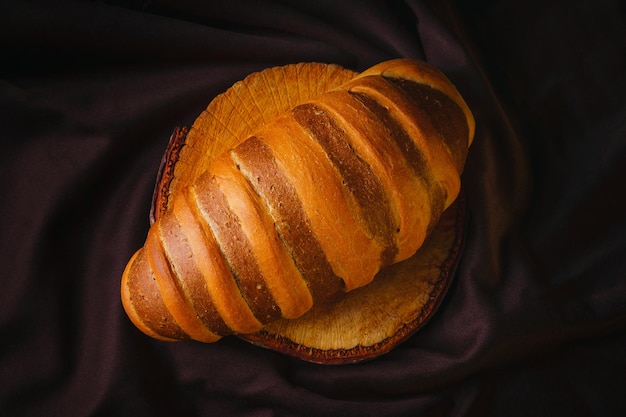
169	286
445	115
256	161
184	226
413	155
236	249
146	300
356	174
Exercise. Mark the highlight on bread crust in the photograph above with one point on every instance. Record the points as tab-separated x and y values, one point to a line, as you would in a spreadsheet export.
312	205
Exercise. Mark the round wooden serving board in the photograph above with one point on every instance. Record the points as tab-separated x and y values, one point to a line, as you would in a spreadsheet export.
366	322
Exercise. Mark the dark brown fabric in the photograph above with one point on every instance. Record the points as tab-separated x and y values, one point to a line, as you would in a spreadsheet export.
534	323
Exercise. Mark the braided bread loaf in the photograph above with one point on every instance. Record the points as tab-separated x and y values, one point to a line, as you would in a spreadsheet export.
312	205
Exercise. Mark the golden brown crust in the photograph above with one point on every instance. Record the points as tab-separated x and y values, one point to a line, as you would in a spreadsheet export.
445	117
187	250
423	73
312	205
273	267
257	163
437	163
353	256
362	189
374	141
142	301
221	284
234	245
173	296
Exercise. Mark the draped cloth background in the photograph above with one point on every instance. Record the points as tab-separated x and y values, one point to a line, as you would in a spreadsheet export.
535	321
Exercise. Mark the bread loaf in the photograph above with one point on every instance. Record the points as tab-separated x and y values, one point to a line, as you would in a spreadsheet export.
309	207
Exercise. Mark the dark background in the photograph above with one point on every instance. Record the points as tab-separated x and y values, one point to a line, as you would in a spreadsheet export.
534	324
